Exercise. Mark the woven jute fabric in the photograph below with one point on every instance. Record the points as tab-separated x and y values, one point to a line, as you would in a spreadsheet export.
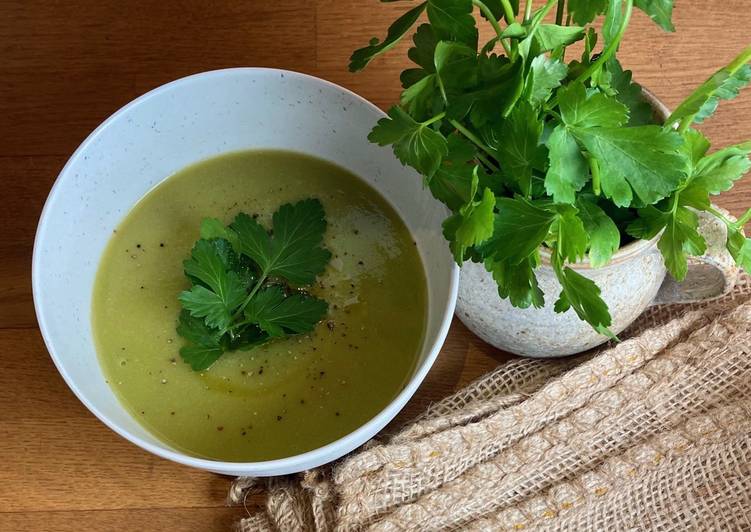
653	433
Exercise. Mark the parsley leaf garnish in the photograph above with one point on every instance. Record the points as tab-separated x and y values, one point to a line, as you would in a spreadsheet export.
243	279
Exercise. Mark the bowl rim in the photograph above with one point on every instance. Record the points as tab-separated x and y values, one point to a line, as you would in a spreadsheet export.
313	458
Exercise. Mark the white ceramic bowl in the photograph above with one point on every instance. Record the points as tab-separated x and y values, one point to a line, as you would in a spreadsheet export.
176	125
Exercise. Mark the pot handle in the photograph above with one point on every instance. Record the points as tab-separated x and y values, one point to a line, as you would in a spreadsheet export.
712	275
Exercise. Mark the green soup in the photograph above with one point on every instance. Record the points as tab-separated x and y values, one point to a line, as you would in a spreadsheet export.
291	395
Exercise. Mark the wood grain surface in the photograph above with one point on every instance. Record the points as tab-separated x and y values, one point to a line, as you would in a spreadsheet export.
66	66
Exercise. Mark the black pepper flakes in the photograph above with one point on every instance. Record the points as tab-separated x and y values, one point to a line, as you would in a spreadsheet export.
220	428
278	418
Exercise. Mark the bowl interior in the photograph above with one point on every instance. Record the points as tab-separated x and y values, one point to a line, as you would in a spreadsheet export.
181	123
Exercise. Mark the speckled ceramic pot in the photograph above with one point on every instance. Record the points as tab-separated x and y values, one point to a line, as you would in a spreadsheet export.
635	279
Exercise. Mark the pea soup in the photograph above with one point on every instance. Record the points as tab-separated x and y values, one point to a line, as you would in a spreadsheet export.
288	396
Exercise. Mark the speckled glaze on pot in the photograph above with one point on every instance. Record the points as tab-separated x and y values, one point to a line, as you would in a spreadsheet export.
634	279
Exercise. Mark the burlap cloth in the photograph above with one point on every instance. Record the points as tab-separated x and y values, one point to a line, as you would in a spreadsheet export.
651	434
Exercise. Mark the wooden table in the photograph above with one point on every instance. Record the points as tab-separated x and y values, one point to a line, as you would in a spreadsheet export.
66	66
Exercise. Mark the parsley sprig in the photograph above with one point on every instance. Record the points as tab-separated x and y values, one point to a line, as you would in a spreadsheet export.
248	285
532	151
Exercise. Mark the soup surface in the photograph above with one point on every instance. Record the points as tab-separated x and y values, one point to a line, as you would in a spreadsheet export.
291	395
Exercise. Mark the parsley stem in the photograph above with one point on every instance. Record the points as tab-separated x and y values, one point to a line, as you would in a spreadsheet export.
252	293
436	118
743	220
594	167
554	115
528	10
471	136
484	160
494	22
508	11
685	124
611	48
559	12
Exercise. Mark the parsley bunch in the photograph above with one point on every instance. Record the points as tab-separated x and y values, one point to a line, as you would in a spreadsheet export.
247	283
532	151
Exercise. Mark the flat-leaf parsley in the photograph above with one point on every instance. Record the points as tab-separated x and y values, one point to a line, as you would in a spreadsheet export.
247	284
530	150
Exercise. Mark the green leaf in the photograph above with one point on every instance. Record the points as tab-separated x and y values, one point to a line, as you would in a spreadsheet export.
739	247
629	94
423	51
452	20
517	143
496	93
222	291
643	158
585	11
216	308
415	144
360	58
276	313
411	76
196	331
717	172
582	295
456	66
648	224
514	31
294	252
681	238
473	224
568	171
518	230
213	228
551	36
452	183
722	85
517	282
604	237
419	98
695	147
200	357
544	76
661	11
596	110
572	239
